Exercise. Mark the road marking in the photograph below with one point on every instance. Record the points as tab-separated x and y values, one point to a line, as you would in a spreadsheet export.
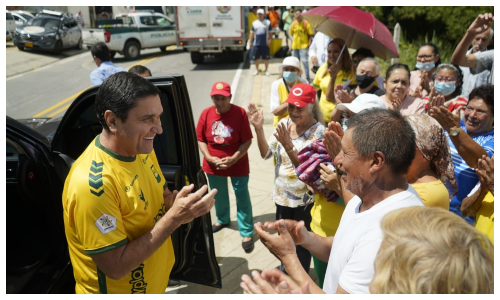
72	97
60	103
236	79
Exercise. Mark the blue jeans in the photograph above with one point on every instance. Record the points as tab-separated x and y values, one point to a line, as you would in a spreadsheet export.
243	203
302	54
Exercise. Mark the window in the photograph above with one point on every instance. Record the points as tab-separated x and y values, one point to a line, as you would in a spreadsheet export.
161	21
10	17
148	20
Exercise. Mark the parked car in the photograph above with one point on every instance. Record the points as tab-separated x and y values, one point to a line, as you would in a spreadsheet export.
9	36
20	20
25	14
11	23
40	153
51	31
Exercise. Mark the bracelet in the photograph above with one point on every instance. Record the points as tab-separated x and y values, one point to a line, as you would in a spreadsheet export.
291	149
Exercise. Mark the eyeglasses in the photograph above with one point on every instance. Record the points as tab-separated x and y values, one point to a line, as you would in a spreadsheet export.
445	79
425	56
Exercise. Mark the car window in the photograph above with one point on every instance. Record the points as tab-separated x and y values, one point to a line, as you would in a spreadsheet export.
126	20
47	23
148	20
27	17
16	18
161	21
10	17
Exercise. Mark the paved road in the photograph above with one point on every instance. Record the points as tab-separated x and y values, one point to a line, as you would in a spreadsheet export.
43	85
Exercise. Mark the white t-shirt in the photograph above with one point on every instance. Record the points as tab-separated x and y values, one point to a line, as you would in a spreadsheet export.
357	241
275	95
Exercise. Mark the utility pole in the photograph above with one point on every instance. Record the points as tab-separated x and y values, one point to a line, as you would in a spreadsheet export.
397	35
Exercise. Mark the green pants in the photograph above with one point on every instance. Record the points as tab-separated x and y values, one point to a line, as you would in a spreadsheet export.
243	202
320	269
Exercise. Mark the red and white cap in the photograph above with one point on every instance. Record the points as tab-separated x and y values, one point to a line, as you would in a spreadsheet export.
301	94
221	88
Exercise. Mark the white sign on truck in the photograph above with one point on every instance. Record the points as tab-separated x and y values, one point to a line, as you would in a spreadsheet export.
212	30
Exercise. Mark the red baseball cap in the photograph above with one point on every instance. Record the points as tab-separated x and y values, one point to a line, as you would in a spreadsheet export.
221	88
301	94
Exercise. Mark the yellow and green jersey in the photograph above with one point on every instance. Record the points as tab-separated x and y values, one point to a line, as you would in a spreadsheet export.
110	200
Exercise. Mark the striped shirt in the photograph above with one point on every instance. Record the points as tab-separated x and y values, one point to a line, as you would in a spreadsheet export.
465	175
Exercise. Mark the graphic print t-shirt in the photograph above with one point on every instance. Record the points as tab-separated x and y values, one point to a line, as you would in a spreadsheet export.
223	134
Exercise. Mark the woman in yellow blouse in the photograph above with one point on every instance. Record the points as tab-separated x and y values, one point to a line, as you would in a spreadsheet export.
329	75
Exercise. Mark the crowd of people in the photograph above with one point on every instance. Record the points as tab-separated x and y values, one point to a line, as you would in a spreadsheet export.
405	165
385	183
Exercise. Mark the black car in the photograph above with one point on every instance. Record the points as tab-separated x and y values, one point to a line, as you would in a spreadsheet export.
39	157
51	31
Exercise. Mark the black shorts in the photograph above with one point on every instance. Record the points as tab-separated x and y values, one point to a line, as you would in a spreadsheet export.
260	52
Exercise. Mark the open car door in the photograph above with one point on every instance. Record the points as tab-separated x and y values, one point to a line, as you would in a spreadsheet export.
177	152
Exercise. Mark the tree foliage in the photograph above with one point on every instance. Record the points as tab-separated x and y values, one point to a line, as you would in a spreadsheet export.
445	23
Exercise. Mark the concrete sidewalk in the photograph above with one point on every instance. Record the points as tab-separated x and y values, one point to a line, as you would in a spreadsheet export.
233	261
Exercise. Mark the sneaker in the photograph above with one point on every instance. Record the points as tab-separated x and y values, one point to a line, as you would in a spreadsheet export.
267	73
256	72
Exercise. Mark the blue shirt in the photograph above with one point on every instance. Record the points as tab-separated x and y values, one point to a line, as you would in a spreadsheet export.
465	175
105	70
261	31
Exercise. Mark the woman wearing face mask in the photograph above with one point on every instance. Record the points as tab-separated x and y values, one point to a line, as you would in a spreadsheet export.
428	59
329	75
290	71
397	83
448	81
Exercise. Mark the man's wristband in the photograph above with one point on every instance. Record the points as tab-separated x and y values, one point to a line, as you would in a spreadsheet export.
291	149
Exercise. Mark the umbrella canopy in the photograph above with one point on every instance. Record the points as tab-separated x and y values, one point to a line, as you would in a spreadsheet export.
341	21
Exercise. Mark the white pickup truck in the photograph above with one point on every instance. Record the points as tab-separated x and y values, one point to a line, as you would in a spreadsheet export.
128	33
212	30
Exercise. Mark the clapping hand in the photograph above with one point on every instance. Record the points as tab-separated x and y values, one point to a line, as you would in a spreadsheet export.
255	116
332	139
272	282
283	136
330	178
445	118
485	168
435	100
342	96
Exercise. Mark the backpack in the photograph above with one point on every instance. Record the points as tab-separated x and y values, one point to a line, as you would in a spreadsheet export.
282	52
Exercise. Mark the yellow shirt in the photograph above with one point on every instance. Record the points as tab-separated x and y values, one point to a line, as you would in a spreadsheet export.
108	201
484	217
300	34
325	216
321	82
251	17
279	94
433	194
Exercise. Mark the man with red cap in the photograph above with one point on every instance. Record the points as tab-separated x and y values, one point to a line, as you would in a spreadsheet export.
224	137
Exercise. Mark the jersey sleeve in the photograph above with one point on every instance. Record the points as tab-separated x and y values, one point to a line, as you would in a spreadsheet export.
96	214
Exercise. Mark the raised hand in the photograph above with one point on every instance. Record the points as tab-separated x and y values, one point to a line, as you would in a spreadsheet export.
297	230
332	139
435	100
255	116
485	168
445	118
396	104
330	178
281	245
481	23
283	136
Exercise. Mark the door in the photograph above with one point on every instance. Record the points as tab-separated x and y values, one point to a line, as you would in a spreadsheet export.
193	22
226	21
11	23
66	36
177	153
166	31
37	258
149	31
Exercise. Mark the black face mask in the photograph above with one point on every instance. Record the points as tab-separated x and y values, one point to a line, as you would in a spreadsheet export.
363	81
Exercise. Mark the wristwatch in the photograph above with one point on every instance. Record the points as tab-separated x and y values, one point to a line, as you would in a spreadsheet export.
454	131
290	150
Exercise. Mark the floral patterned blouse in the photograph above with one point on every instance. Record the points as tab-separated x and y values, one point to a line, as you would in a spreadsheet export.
289	191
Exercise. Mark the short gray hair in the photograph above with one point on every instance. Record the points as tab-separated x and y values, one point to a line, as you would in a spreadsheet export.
387	131
373	60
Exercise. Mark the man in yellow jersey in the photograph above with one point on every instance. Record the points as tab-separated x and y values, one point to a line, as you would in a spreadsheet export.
118	213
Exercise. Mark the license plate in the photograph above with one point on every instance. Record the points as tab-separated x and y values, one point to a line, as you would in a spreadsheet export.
28	44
